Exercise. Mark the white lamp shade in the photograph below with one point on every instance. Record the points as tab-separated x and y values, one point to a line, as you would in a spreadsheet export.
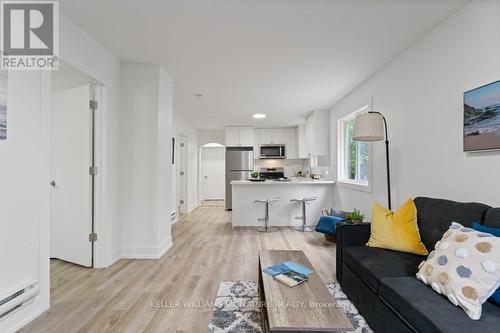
369	127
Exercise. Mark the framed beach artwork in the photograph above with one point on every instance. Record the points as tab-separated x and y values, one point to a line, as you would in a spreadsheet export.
3	105
482	118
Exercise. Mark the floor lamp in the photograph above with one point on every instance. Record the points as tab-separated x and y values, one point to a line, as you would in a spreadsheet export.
370	127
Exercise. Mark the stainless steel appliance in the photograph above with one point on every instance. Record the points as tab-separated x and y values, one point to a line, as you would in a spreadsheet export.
239	166
276	174
272	151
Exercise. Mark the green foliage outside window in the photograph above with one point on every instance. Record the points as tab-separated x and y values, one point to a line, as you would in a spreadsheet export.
357	155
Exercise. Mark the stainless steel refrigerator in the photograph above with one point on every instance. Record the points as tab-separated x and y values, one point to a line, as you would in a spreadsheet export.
239	166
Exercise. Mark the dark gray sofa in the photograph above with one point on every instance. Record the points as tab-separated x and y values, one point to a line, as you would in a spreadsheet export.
382	283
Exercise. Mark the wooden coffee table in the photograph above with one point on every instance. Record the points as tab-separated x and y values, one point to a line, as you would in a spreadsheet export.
308	307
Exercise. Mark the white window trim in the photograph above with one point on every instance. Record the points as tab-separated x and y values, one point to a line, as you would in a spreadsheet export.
365	186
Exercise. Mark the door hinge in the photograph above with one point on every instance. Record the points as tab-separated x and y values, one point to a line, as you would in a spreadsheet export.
93	171
182	173
92	237
182	144
93	105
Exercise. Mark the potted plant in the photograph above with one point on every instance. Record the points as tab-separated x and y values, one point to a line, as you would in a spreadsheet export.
355	216
255	174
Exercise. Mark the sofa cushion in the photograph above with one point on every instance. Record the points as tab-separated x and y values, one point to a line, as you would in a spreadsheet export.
463	267
435	217
492	218
427	311
495	298
373	264
397	231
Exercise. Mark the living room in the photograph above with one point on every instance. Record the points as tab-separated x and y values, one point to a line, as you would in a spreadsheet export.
389	108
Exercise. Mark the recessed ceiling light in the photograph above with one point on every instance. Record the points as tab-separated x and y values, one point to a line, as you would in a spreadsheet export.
259	116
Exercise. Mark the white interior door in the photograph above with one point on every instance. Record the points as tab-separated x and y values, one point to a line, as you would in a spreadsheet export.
183	174
212	166
71	183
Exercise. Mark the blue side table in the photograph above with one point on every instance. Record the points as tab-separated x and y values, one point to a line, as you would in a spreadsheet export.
328	225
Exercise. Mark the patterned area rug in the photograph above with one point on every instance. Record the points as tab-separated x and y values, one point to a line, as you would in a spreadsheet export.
237	308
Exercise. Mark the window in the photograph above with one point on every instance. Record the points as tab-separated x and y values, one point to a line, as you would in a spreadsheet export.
354	158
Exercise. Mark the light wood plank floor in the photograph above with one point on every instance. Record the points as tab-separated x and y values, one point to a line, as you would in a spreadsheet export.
206	251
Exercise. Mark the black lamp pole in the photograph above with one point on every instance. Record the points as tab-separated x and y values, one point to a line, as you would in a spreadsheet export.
386	157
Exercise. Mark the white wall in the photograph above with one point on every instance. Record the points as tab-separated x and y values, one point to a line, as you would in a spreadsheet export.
211	136
420	93
24	170
165	179
181	124
23	200
146	121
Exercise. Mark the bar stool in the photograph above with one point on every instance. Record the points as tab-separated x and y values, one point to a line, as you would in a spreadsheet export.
265	219
304	227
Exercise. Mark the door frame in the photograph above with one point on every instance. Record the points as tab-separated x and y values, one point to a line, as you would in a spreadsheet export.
201	176
99	93
183	158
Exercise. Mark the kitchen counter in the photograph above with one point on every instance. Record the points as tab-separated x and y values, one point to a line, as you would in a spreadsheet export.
277	182
282	212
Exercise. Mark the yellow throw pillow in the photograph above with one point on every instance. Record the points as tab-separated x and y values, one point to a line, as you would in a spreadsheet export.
396	231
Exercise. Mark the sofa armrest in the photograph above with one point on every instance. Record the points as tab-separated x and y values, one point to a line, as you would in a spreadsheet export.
350	234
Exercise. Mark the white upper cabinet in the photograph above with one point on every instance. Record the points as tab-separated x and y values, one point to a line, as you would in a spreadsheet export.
232	136
246	137
317	133
239	136
256	143
291	143
301	141
272	136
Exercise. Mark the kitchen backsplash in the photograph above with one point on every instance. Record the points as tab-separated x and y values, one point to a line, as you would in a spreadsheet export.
291	166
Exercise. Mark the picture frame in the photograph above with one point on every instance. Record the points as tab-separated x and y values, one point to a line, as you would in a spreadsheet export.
481	121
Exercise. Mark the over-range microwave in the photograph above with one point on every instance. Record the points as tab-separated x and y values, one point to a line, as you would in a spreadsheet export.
272	151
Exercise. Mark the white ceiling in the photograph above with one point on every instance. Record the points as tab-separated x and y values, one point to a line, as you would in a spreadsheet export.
279	57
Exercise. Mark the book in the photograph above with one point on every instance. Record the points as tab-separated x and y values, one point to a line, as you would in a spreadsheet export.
289	273
287	266
291	278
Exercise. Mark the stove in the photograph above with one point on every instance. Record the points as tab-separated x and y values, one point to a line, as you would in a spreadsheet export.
276	174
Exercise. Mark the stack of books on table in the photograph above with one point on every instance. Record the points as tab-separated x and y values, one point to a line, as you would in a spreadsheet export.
289	273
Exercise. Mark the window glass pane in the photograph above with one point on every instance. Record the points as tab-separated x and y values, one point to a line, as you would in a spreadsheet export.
356	155
363	161
350	151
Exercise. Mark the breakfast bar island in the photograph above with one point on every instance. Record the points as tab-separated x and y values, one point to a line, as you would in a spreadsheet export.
282	212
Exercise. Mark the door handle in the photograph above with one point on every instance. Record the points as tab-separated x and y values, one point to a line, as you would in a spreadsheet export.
206	177
53	183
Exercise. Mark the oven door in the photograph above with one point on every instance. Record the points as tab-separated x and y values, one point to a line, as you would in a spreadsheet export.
272	151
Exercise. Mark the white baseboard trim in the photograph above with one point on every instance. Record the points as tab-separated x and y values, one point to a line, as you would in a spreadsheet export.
167	244
192	207
146	252
116	255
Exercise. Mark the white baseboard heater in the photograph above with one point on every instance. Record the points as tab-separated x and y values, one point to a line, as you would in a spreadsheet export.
17	299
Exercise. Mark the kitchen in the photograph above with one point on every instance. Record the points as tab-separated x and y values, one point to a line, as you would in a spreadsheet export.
285	163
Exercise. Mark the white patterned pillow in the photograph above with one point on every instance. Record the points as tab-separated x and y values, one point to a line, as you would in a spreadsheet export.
465	267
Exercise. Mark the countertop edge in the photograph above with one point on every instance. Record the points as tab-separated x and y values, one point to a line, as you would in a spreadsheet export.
299	182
